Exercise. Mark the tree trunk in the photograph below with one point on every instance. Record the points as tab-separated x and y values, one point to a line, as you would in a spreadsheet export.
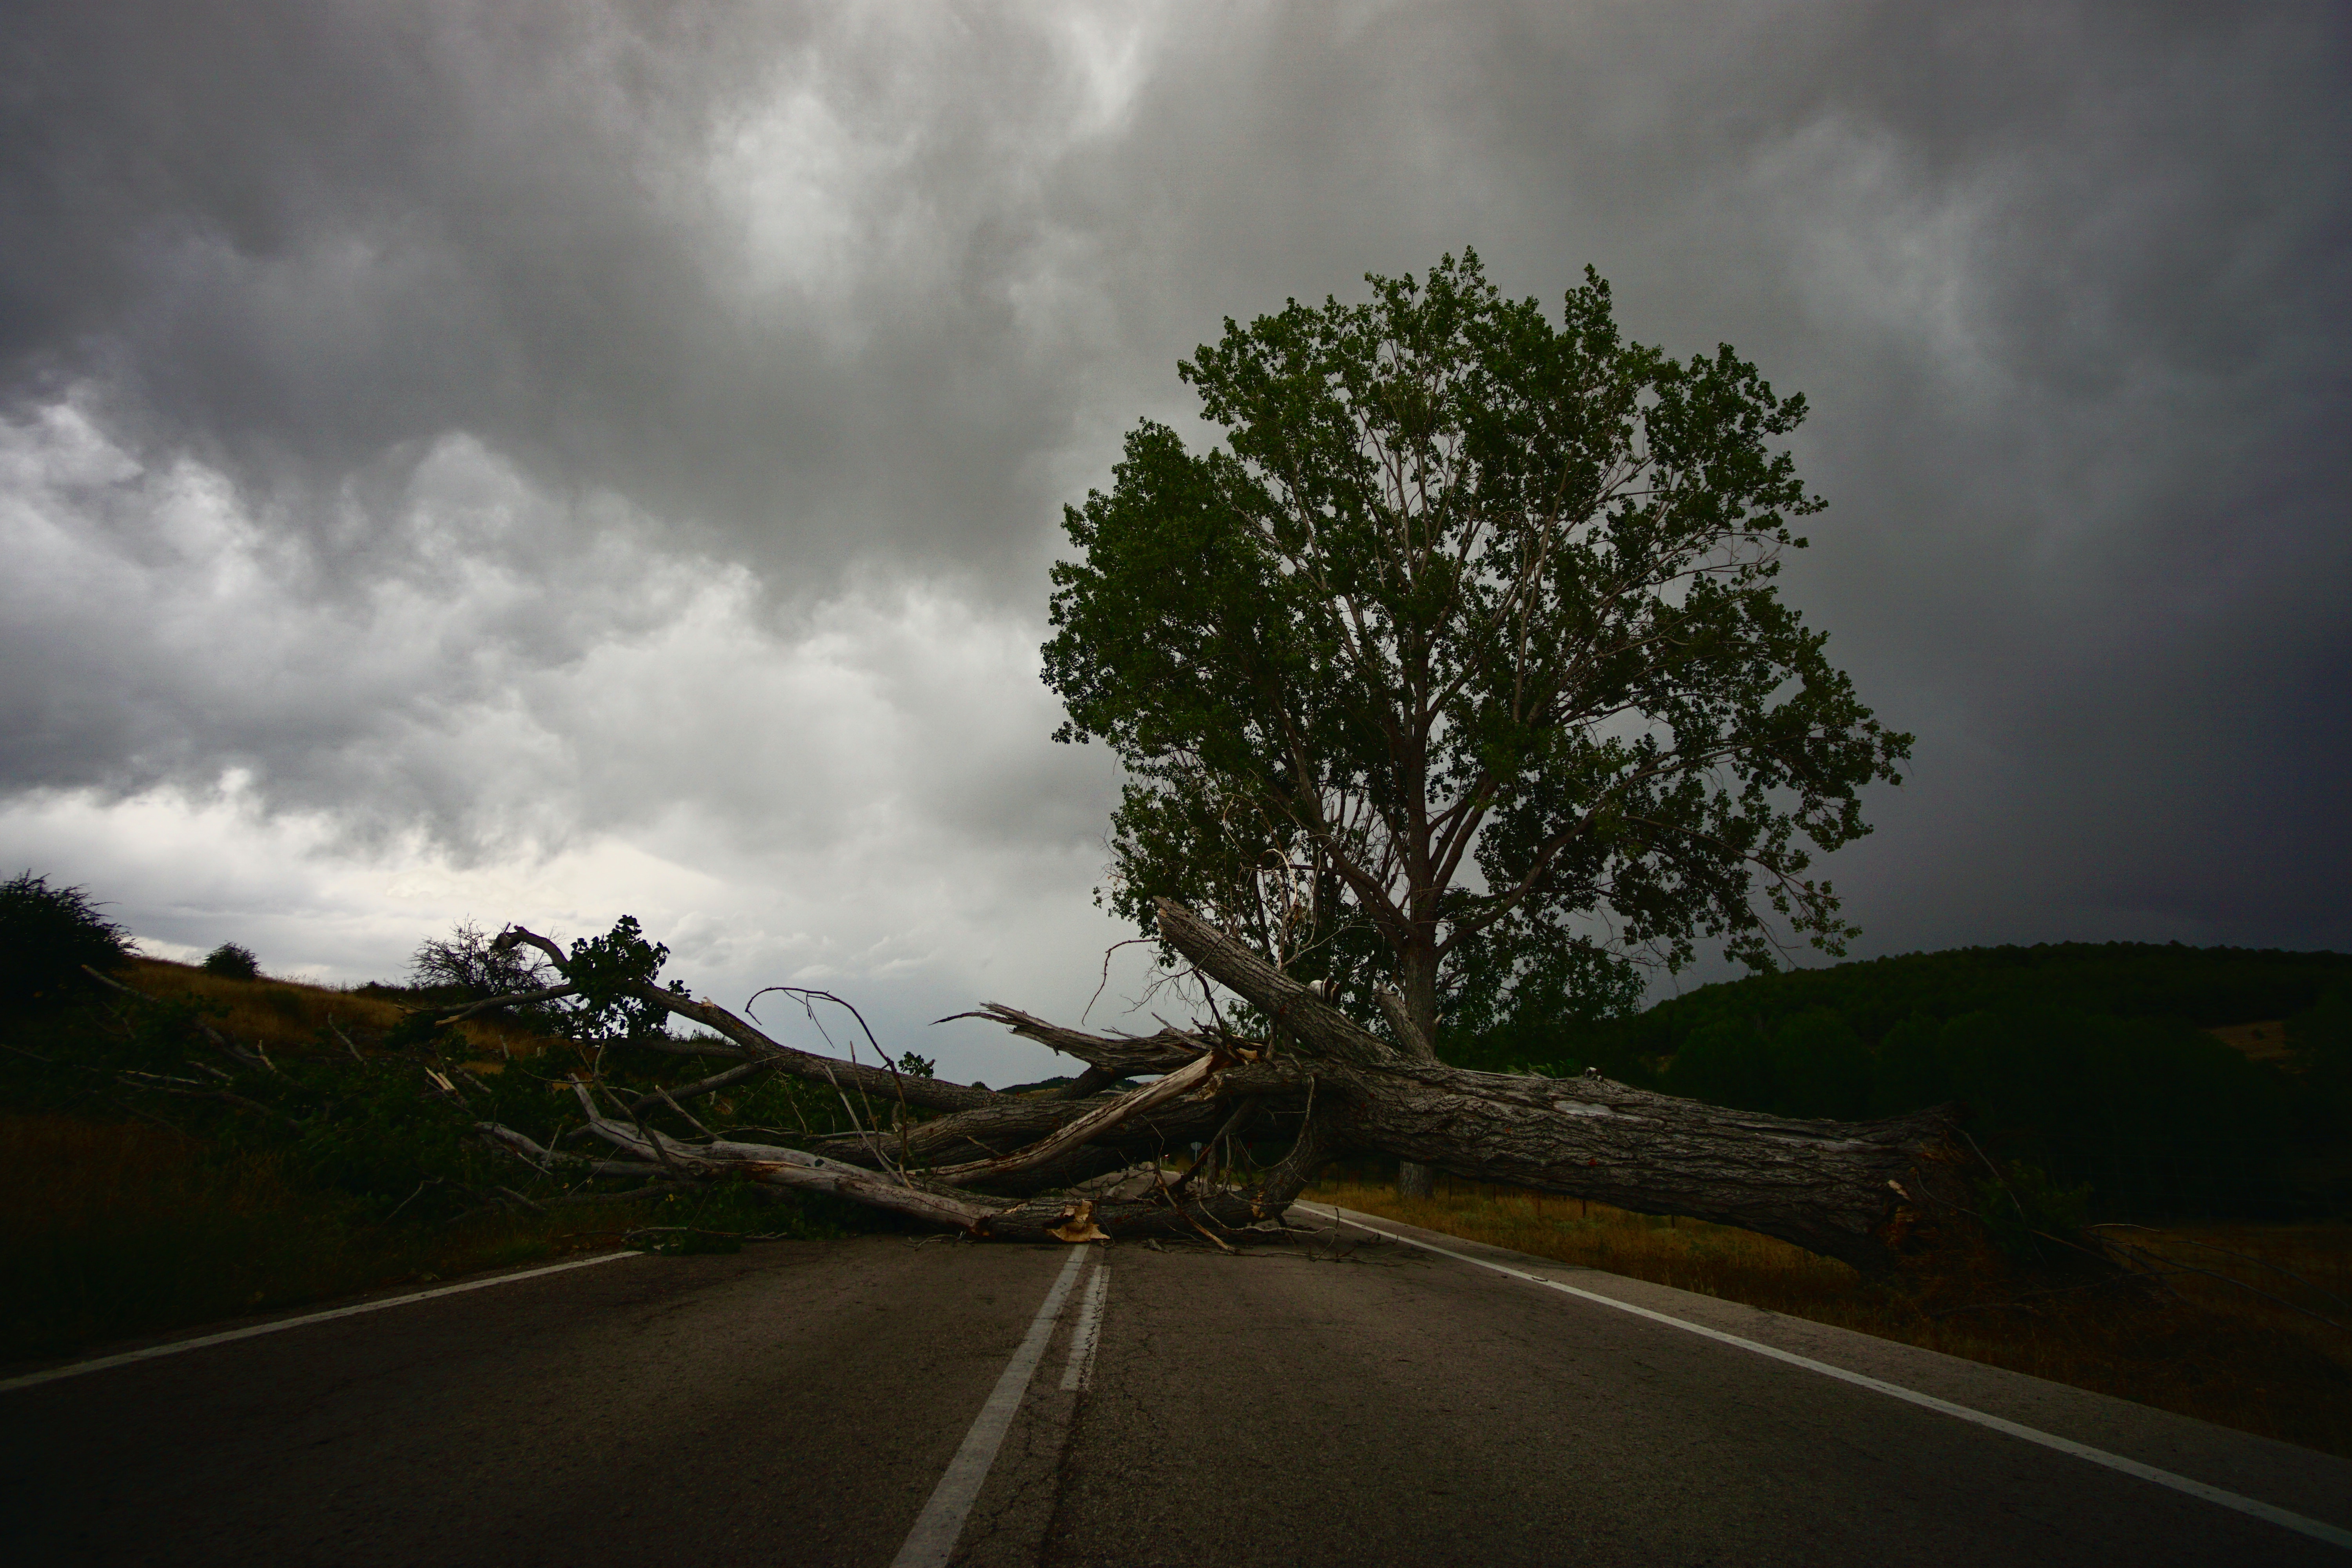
1412	1019
1088	1167
1859	1192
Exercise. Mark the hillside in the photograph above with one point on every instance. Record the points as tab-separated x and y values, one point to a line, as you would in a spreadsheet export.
2167	1080
287	1014
2207	987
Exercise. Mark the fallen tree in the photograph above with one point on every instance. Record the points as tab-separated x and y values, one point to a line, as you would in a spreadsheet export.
1085	1163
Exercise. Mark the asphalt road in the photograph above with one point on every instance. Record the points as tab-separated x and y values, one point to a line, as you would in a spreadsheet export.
1351	1401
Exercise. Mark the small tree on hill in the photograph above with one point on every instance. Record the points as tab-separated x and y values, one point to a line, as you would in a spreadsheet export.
233	962
468	962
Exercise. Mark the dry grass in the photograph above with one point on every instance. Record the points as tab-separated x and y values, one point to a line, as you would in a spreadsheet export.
2262	1042
2212	1349
2306	1267
116	1230
279	1014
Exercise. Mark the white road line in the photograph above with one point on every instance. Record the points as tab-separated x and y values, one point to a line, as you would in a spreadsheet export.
77	1368
1088	1328
932	1541
2316	1529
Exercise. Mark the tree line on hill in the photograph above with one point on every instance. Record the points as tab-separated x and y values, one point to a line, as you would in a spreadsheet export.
2089	1061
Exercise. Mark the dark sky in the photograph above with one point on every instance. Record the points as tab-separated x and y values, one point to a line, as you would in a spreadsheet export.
542	461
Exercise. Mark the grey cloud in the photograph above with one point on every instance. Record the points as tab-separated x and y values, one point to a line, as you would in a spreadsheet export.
485	700
308	242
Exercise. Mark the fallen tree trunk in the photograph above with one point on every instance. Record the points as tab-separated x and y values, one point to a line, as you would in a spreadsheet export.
1007	1166
1848	1190
1859	1192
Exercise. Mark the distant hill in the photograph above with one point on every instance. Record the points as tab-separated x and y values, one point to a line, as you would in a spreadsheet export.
2135	1067
2206	987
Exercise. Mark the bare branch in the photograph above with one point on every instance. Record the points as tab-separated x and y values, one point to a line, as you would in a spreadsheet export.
518	999
1087	1128
1119	1055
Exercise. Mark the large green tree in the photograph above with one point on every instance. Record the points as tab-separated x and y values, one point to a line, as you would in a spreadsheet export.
1458	671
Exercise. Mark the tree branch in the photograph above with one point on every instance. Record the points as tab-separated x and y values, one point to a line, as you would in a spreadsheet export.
1318	1027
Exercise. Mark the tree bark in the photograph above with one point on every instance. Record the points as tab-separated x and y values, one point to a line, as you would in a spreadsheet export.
1415	1037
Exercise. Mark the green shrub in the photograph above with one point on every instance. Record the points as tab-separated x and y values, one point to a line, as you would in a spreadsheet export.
2028	1216
2321	1038
232	962
46	934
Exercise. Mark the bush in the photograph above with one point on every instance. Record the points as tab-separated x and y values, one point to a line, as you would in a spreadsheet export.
468	964
46	934
232	962
2321	1038
2026	1213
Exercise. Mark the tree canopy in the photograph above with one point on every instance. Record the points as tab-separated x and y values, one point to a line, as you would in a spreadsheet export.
1460	668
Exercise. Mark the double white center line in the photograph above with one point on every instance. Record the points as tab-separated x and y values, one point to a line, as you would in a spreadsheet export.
932	1541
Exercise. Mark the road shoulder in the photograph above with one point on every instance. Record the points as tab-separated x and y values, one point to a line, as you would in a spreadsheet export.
2310	1483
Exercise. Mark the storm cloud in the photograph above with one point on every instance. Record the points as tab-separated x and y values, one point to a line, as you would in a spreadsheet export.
545	461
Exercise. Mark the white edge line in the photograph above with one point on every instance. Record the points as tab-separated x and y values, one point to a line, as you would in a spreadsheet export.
932	1541
101	1363
2316	1528
1088	1329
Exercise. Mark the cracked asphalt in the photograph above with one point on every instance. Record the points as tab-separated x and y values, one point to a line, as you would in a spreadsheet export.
1342	1401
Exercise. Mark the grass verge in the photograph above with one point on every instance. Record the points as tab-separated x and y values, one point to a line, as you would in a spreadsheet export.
112	1231
2210	1347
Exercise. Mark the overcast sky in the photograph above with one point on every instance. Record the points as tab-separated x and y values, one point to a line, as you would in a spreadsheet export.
545	461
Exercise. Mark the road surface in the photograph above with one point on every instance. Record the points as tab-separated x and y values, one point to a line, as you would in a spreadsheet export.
1349	1400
